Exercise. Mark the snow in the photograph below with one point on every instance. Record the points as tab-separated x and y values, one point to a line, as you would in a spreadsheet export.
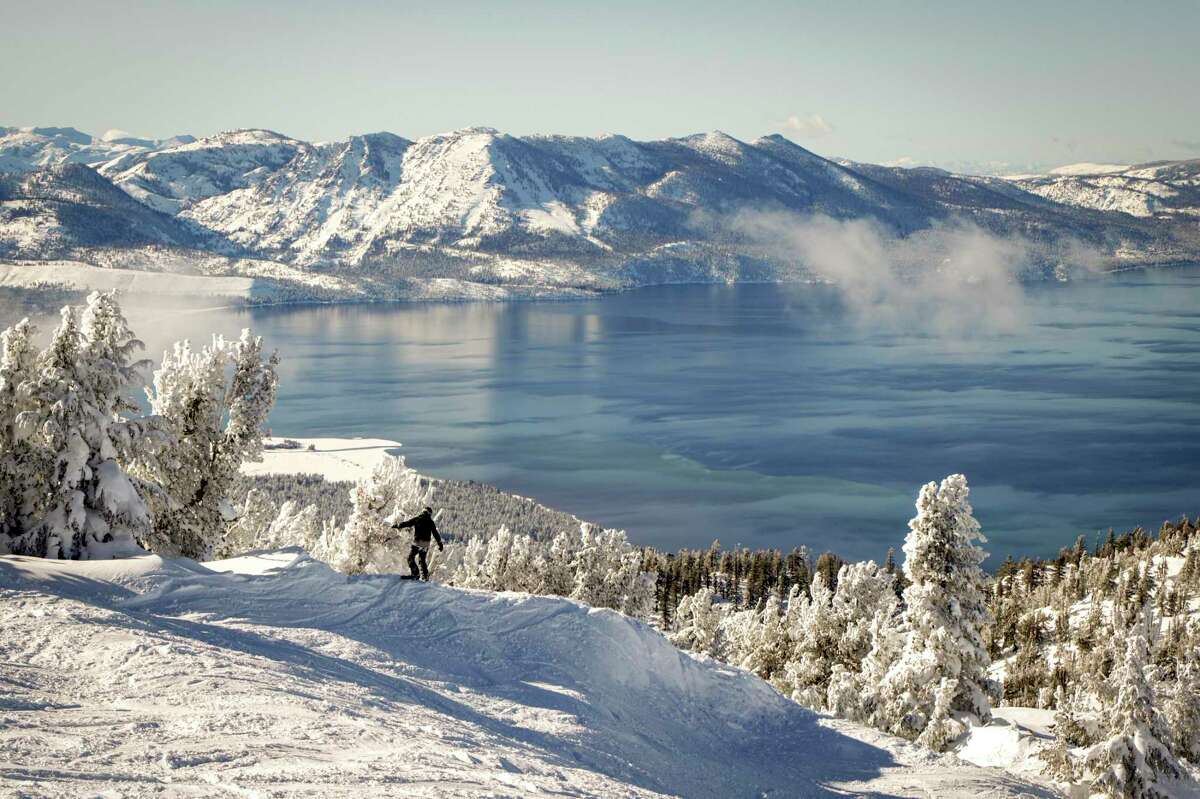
1088	169
271	675
1011	741
332	458
77	276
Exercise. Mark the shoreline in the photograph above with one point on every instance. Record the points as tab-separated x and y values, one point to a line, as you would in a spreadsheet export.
238	291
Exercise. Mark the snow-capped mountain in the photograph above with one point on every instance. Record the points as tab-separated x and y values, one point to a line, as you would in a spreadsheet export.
59	210
173	179
482	206
372	196
22	149
1163	190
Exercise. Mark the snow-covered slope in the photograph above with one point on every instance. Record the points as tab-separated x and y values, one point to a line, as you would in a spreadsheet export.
1088	168
1165	190
271	675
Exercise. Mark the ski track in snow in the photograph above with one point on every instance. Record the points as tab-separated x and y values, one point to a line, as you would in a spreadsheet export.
271	675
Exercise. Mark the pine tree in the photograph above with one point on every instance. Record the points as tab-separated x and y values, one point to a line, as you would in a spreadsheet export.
213	404
1028	672
940	681
698	624
1183	707
765	647
812	629
864	599
81	503
20	462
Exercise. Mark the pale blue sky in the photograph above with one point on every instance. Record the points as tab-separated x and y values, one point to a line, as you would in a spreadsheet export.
954	83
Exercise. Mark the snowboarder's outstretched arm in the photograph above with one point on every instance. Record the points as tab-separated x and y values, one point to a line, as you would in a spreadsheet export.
408	523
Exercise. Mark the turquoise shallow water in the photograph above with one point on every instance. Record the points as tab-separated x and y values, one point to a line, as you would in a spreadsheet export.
766	415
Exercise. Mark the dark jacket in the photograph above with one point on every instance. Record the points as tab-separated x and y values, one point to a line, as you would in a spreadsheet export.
423	528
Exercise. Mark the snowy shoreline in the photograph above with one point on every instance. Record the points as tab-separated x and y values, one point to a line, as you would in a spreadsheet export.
301	288
335	459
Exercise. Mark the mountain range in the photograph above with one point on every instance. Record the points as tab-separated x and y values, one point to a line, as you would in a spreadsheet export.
483	207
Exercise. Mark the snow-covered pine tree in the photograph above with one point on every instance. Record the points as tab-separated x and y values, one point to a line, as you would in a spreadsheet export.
764	644
83	503
865	593
1136	756
294	525
1029	670
590	564
634	587
1060	762
1068	724
698	624
555	576
863	699
812	631
213	403
470	571
20	462
522	564
940	682
1183	707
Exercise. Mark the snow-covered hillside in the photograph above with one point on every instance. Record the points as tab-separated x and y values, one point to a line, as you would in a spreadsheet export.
55	211
1165	190
271	675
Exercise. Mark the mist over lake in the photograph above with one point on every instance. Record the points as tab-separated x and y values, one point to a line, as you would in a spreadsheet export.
766	415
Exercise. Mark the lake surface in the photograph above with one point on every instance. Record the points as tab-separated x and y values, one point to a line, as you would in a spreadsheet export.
766	415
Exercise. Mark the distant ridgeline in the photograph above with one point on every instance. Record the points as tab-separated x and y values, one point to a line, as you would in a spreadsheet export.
558	213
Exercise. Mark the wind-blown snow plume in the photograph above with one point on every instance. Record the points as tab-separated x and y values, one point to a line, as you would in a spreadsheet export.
953	279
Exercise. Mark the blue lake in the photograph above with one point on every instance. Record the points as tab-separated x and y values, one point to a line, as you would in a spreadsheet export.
766	415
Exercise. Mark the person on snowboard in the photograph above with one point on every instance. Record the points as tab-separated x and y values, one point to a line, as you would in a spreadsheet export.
423	528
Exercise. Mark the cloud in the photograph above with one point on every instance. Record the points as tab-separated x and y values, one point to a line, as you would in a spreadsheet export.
953	280
116	133
811	126
904	161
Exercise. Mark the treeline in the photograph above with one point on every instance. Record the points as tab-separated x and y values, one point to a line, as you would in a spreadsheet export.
1110	632
1108	638
742	576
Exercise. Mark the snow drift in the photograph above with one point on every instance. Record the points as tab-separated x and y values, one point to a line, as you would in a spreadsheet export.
270	674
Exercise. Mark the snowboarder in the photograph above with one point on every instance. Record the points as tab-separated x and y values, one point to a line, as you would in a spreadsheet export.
423	528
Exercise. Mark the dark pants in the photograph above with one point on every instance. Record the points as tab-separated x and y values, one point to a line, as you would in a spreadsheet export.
418	553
